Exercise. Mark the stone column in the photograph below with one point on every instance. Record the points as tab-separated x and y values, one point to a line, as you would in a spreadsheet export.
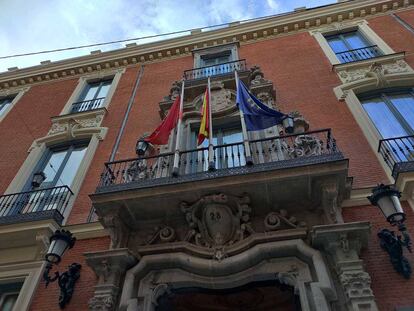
110	267
342	243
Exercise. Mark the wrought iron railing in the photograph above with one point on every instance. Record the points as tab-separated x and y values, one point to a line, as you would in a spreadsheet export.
359	54
35	203
87	105
287	149
215	70
398	153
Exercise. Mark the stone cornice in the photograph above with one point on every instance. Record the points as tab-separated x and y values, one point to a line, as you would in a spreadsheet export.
245	33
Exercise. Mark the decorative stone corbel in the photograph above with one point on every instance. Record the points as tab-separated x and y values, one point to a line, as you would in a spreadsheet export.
118	230
109	267
342	243
329	202
261	87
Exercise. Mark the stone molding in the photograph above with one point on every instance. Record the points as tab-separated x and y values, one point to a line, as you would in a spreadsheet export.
343	243
263	29
380	72
109	267
290	262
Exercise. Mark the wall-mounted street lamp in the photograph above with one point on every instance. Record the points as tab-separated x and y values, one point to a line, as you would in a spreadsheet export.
387	199
60	241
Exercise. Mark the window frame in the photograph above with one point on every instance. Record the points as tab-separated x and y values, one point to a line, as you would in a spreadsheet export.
115	75
16	94
229	48
361	26
383	95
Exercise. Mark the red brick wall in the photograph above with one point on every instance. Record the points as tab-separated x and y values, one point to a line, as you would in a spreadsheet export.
46	299
395	35
28	120
391	290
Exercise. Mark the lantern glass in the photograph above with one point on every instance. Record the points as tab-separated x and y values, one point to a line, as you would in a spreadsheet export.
38	178
141	147
59	243
391	208
288	125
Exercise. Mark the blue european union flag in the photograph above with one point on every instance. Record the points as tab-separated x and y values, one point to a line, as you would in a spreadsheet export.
257	115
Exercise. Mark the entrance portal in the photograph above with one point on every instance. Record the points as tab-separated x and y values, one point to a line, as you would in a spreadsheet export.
257	296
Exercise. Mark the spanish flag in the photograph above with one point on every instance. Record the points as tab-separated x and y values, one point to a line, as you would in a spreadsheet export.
203	132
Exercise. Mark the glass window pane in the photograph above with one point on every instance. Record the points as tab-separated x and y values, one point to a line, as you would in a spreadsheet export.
386	123
4	103
71	167
104	90
405	105
8	302
337	45
53	165
90	93
355	40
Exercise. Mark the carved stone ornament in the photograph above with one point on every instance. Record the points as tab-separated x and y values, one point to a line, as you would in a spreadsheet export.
222	100
71	125
356	284
304	145
257	76
275	221
117	230
218	220
175	90
376	70
162	234
101	303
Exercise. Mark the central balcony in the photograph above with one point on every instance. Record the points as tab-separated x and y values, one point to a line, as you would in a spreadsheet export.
289	171
229	159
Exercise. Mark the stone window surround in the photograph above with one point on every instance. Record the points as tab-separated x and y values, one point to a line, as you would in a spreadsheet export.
30	274
198	53
94	133
350	96
84	80
17	93
361	26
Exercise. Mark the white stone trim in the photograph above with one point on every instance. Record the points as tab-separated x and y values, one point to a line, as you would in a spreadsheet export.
254	264
19	92
30	273
84	80
361	26
368	129
68	133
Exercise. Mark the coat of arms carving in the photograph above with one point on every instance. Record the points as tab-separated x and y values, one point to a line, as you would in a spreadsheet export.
218	220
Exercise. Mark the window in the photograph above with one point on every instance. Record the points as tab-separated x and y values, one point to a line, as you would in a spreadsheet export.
393	115
228	148
60	165
92	96
352	46
8	295
4	104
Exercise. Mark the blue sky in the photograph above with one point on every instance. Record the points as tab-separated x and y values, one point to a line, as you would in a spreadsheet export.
29	26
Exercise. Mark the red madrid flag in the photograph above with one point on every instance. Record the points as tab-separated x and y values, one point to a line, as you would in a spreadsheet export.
162	132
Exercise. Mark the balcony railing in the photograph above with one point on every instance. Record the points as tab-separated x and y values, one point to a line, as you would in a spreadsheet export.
87	105
359	54
215	70
398	153
35	205
229	159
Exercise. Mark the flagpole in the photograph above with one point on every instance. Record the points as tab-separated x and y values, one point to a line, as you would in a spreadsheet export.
176	164
211	164
249	160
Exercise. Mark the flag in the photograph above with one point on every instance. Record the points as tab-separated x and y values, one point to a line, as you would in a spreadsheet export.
162	132
203	132
257	115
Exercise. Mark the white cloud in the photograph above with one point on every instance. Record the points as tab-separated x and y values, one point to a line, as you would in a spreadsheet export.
29	26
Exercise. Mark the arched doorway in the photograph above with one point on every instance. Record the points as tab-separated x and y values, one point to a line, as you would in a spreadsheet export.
254	296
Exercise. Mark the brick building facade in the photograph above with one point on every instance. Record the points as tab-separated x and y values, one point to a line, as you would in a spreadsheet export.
296	231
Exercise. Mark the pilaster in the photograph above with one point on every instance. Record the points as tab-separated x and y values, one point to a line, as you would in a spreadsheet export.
342	243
